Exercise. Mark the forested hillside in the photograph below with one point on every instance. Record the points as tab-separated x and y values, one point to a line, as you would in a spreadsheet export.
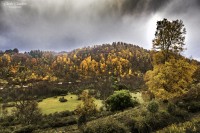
87	86
98	62
41	90
106	68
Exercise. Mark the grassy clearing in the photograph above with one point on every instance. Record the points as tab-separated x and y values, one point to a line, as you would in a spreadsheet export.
52	105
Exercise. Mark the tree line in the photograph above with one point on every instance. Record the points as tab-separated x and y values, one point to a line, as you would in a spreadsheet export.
100	62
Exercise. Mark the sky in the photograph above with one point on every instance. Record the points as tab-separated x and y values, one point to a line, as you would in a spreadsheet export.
64	25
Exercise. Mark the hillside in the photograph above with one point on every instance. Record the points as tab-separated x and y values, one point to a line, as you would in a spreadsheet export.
47	73
45	88
118	60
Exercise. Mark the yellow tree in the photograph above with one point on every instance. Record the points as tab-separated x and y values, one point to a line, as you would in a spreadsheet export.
87	108
171	75
171	79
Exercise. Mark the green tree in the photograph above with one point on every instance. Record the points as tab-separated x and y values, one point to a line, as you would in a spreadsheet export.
26	111
120	100
169	37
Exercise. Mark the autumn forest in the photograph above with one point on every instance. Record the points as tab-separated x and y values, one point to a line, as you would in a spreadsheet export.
106	88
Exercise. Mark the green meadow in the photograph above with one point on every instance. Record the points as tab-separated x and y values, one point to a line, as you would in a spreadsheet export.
52	104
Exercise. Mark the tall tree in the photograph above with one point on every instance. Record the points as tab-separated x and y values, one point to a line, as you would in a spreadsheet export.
86	109
26	111
171	75
169	37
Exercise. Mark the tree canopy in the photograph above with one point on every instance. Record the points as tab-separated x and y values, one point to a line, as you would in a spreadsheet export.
120	100
171	79
169	37
172	74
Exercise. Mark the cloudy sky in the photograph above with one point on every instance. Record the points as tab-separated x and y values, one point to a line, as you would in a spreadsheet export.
63	25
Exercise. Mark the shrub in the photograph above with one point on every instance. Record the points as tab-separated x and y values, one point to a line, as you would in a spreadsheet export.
105	126
26	129
71	121
8	121
140	125
5	130
120	100
39	100
180	113
27	112
193	107
65	113
171	108
192	126
62	100
1	99
57	122
6	105
159	120
153	107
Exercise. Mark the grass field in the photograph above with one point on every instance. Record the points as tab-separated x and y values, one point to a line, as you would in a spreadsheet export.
52	105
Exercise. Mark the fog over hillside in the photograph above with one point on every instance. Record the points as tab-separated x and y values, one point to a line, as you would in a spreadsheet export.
69	24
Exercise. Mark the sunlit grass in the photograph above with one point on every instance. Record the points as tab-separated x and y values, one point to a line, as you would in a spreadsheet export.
52	104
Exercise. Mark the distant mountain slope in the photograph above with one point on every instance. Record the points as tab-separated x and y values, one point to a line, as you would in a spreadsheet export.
98	62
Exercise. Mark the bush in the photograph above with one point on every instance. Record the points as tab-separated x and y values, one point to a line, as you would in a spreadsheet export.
26	129
39	100
153	107
171	108
71	121
186	127
140	125
5	130
193	107
58	119
6	105
65	113
159	120
62	100
105	126
57	123
8	121
120	100
180	114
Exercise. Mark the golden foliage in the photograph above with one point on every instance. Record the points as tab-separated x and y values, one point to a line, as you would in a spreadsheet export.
171	79
88	106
